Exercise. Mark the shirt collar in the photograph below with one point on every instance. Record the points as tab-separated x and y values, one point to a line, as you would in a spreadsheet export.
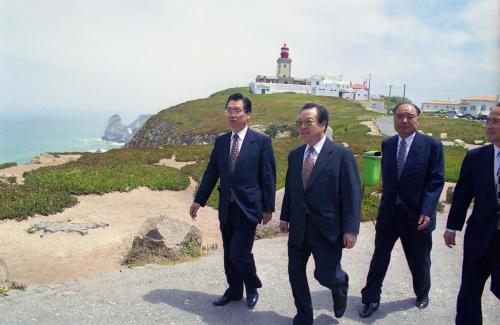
408	139
241	134
317	147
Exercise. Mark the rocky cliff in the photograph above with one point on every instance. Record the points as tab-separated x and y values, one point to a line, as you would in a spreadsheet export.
118	132
157	131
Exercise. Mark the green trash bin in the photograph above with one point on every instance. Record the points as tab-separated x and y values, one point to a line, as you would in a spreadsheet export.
371	167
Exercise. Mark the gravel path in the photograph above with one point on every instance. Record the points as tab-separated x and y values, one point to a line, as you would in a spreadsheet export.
182	293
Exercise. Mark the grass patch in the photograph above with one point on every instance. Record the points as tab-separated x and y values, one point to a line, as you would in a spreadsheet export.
455	128
21	201
7	165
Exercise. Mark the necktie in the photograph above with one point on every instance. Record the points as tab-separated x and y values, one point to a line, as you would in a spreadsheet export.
401	157
307	167
234	152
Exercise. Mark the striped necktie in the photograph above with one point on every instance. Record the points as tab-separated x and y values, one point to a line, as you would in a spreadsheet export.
234	152
307	167
401	156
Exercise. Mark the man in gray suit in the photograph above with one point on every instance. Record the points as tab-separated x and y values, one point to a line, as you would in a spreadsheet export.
320	210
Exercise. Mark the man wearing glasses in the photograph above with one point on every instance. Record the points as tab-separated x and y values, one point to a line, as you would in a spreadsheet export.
320	210
243	161
479	180
412	181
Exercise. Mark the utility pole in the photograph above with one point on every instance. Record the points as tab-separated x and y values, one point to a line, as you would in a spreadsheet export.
390	105
404	91
369	84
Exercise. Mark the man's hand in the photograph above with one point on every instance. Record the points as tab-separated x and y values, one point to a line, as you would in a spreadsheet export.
350	240
193	210
266	217
423	222
283	226
449	238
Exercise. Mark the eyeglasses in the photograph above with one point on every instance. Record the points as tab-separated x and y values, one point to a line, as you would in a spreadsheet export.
299	122
492	121
409	117
235	112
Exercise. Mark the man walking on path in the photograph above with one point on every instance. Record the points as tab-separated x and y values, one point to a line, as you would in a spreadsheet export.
479	180
244	162
412	181
321	210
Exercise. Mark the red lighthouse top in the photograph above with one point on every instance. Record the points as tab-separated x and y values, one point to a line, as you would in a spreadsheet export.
284	52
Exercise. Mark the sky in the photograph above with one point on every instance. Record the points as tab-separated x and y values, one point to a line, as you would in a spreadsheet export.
101	57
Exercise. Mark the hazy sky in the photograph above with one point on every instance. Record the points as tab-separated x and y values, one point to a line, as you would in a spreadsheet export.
81	57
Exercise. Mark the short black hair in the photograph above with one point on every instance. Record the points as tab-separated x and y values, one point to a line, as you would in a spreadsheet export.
322	112
398	105
247	104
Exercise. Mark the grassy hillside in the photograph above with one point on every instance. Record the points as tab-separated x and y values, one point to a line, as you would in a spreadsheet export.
206	115
49	190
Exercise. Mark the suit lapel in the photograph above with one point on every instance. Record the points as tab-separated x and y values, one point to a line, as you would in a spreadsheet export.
489	180
415	150
322	161
226	151
298	160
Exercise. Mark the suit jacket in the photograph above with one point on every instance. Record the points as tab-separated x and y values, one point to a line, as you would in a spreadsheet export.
252	183
419	185
476	181
331	199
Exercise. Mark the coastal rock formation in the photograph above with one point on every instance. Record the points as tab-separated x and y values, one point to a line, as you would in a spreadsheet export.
116	131
157	131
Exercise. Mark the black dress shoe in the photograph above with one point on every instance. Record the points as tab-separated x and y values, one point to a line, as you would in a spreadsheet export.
422	303
340	299
224	300
252	299
368	309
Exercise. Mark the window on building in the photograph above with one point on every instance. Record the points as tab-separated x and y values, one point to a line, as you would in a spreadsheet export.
483	108
472	108
284	65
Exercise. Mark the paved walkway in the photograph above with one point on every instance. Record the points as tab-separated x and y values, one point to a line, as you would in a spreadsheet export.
182	293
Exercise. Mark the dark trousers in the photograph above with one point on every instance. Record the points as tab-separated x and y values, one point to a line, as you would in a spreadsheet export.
328	271
417	248
237	238
475	272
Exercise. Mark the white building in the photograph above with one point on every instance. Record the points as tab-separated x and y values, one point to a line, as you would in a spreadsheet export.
436	106
479	105
360	90
317	85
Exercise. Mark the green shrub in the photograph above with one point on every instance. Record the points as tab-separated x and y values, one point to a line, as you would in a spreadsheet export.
7	165
20	201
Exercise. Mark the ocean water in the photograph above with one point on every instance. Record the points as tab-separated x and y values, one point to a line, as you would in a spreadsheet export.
22	139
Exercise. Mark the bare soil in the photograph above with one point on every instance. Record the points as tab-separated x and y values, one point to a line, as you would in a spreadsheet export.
61	257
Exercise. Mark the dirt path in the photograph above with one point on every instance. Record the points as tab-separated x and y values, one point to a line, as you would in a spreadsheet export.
62	257
374	130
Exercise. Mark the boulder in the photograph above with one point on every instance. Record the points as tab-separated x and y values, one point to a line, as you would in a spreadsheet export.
443	136
329	132
164	237
478	142
459	142
429	134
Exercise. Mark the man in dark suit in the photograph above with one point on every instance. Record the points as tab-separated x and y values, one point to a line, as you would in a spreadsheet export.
412	181
320	210
479	180
244	162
